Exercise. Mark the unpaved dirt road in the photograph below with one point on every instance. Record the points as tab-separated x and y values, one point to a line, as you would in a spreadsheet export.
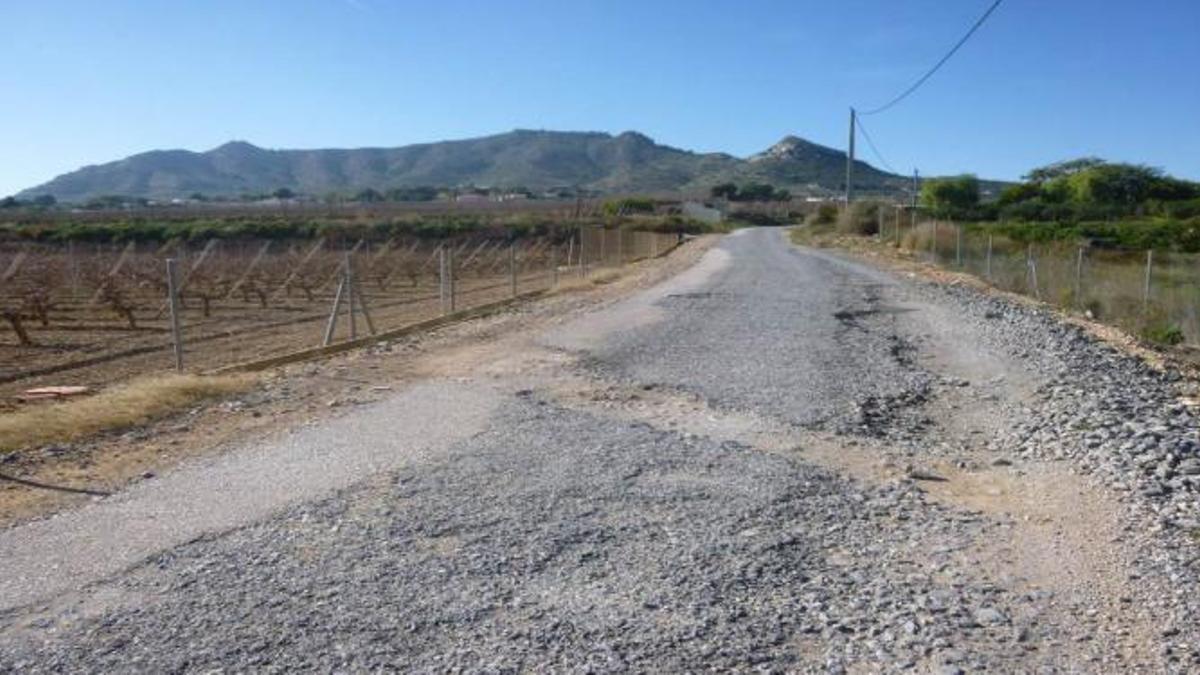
776	461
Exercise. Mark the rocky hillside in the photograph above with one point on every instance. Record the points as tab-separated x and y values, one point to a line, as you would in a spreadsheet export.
628	162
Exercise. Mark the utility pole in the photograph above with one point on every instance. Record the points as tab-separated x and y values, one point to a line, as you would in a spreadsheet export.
850	160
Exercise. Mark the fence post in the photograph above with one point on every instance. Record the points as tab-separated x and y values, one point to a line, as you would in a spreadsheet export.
442	278
988	273
350	296
603	247
173	303
958	244
553	267
934	245
1079	278
582	255
451	285
333	314
512	267
620	248
1146	287
1031	272
897	227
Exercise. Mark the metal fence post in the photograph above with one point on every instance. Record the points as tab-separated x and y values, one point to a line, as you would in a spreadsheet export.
1146	287
173	303
958	245
934	245
553	266
512	267
442	278
1031	272
1079	278
582	255
350	296
897	228
451	281
620	248
988	266
333	314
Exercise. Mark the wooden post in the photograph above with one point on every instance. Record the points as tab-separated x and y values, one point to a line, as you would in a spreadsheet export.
173	303
958	245
620	248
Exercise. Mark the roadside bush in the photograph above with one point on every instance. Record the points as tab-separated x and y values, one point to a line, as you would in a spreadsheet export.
826	214
862	218
1163	334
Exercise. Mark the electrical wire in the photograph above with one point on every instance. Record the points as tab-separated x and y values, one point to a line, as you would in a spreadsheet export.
936	66
875	150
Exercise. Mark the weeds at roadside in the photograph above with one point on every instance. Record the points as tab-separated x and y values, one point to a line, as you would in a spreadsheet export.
136	402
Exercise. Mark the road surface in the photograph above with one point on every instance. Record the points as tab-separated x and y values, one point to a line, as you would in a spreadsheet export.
776	461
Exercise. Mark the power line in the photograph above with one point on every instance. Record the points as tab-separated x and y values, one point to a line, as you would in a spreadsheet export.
937	65
874	149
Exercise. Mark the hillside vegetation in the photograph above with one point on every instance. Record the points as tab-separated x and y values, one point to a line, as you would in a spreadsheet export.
522	161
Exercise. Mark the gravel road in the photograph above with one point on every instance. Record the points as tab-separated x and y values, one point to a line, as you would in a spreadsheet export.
777	461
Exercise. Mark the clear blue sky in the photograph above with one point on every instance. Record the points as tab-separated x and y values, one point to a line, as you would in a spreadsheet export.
88	82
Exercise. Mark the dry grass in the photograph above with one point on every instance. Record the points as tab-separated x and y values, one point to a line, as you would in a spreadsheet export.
136	402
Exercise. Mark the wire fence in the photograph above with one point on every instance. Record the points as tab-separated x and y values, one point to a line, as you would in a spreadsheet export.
92	314
1153	294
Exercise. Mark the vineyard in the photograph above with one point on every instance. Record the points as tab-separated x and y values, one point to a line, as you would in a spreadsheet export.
89	314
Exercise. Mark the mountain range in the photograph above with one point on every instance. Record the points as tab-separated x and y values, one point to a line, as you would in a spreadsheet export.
629	162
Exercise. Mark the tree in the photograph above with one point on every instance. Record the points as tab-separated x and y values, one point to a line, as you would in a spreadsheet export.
1113	184
756	192
727	191
44	201
956	192
1020	192
10	203
1070	167
283	193
369	196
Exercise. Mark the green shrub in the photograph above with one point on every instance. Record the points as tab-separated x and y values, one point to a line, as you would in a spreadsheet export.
826	214
862	218
1167	335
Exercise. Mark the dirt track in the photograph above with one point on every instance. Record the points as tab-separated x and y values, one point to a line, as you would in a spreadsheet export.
775	460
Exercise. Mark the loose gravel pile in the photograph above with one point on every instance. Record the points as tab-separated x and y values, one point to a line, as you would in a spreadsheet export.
1110	416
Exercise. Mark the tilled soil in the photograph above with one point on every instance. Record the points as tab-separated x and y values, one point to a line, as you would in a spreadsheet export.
777	461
